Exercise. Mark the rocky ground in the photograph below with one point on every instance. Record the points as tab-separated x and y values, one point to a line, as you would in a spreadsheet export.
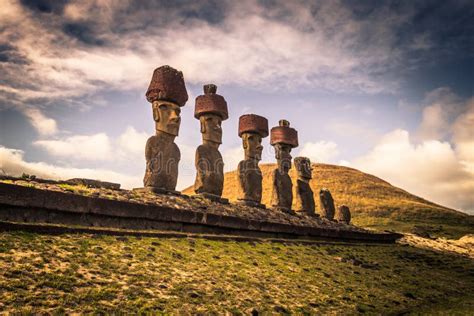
463	246
186	202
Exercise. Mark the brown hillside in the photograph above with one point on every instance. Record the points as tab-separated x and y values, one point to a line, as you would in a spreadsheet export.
373	201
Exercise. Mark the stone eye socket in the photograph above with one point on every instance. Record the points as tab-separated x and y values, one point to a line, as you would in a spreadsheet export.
163	107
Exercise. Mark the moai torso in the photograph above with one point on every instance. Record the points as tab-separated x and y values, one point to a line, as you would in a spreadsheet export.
282	194
327	204
162	158
250	180
304	198
210	170
304	194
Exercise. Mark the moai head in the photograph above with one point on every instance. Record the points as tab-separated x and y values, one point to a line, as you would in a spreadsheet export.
252	128
303	166
211	110
167	93
283	138
343	214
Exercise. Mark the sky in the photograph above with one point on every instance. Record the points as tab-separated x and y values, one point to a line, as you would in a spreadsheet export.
385	87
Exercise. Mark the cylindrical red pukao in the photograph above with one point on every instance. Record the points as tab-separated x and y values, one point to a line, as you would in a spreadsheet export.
211	103
167	84
284	134
252	123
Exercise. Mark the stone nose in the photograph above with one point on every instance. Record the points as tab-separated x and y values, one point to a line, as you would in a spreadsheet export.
174	116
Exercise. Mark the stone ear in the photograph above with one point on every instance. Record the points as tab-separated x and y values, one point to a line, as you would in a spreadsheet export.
244	142
203	125
156	113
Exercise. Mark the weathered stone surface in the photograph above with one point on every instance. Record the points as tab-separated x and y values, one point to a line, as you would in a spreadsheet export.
252	128
167	84
162	159
283	139
22	203
304	198
250	181
95	183
284	134
343	214
304	194
211	103
210	111
282	194
210	170
167	93
252	123
326	204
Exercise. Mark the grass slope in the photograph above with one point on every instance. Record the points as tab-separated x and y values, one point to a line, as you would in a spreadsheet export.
103	274
374	203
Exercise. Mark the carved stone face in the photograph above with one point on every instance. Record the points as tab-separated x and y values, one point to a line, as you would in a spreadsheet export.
283	157
167	117
304	168
252	144
211	128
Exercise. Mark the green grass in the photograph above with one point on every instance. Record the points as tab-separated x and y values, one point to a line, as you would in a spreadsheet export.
104	274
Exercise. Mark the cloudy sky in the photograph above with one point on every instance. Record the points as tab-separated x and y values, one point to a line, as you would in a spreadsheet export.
382	86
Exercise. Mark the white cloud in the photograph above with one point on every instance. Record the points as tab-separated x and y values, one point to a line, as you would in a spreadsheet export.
128	146
333	52
80	147
132	142
12	163
321	152
463	136
431	169
232	157
44	125
441	107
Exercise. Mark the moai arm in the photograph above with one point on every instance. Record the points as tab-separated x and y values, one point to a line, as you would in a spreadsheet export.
242	183
275	189
202	170
152	160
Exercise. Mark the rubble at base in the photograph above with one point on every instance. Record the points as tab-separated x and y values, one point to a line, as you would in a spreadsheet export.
37	201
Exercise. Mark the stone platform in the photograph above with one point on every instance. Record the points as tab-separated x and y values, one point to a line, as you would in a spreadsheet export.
55	203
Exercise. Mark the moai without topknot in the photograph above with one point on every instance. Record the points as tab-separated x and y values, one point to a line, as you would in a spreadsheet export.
283	138
167	94
304	194
343	214
252	128
211	110
326	204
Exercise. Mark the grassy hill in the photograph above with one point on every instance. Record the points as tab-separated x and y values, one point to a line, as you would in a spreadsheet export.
374	203
42	274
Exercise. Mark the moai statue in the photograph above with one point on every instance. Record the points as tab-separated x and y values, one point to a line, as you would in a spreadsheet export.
252	128
343	214
283	139
211	110
326	204
167	94
304	194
